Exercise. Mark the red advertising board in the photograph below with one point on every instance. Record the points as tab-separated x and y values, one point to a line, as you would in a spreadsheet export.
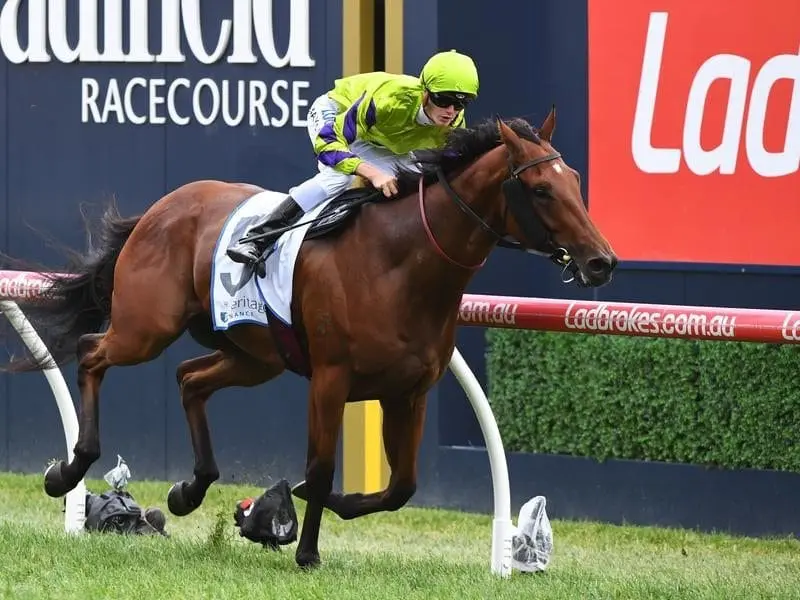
694	129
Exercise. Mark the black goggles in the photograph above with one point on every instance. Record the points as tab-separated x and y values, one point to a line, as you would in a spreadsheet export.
457	100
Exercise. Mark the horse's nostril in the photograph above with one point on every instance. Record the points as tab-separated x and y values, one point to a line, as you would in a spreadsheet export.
599	265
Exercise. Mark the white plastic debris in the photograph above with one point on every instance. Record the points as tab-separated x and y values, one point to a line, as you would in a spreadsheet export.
532	543
118	477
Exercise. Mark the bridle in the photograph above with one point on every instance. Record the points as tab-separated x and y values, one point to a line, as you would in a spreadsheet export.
532	226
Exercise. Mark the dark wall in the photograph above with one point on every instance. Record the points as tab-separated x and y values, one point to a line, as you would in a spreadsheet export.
51	161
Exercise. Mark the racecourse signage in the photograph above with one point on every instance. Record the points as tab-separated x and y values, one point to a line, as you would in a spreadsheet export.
141	100
695	140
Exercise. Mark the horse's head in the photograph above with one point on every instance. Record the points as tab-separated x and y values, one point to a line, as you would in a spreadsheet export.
546	211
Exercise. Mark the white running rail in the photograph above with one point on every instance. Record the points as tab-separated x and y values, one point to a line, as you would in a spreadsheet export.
502	528
16	285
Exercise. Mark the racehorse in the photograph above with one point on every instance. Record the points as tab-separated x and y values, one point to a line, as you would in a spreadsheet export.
375	302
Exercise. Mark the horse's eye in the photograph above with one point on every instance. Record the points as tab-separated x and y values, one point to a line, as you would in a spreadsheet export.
541	192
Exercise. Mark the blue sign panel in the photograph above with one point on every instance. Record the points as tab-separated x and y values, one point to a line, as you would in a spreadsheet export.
128	100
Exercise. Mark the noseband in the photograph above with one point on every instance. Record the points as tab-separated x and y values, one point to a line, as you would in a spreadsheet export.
532	226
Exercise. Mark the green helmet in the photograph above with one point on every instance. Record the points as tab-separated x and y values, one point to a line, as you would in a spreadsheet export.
450	72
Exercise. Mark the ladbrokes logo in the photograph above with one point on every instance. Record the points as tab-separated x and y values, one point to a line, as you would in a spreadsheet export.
745	112
648	321
695	138
140	100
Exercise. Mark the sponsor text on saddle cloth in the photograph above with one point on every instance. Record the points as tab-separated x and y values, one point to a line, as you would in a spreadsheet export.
233	303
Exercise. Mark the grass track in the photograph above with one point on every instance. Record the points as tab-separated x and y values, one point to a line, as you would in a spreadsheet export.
413	553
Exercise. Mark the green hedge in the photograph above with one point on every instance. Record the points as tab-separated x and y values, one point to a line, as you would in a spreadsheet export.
728	404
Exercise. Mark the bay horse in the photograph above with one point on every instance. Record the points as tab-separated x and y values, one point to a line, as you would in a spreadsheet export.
375	303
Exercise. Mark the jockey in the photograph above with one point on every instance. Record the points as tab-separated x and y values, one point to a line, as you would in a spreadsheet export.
367	125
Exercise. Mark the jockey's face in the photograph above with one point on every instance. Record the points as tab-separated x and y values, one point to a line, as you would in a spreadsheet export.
441	109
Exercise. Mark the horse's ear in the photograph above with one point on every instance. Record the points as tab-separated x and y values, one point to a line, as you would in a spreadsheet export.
510	139
549	125
499	120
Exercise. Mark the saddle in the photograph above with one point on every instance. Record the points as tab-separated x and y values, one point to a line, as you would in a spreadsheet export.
341	210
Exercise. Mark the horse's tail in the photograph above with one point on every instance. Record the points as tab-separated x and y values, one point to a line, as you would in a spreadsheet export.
77	301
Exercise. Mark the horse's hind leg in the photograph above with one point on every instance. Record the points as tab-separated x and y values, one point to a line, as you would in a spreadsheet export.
96	353
403	424
198	378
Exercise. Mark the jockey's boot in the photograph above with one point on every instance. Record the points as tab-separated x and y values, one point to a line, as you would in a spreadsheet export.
248	250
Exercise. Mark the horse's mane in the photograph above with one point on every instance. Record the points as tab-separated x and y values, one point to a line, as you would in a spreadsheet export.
462	147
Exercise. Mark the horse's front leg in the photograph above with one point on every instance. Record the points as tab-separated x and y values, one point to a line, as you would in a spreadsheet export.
330	387
403	423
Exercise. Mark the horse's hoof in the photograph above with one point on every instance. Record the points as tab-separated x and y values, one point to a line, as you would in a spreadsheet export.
299	491
307	560
55	484
177	502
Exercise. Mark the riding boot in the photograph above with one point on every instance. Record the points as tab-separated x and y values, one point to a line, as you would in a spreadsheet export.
248	250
